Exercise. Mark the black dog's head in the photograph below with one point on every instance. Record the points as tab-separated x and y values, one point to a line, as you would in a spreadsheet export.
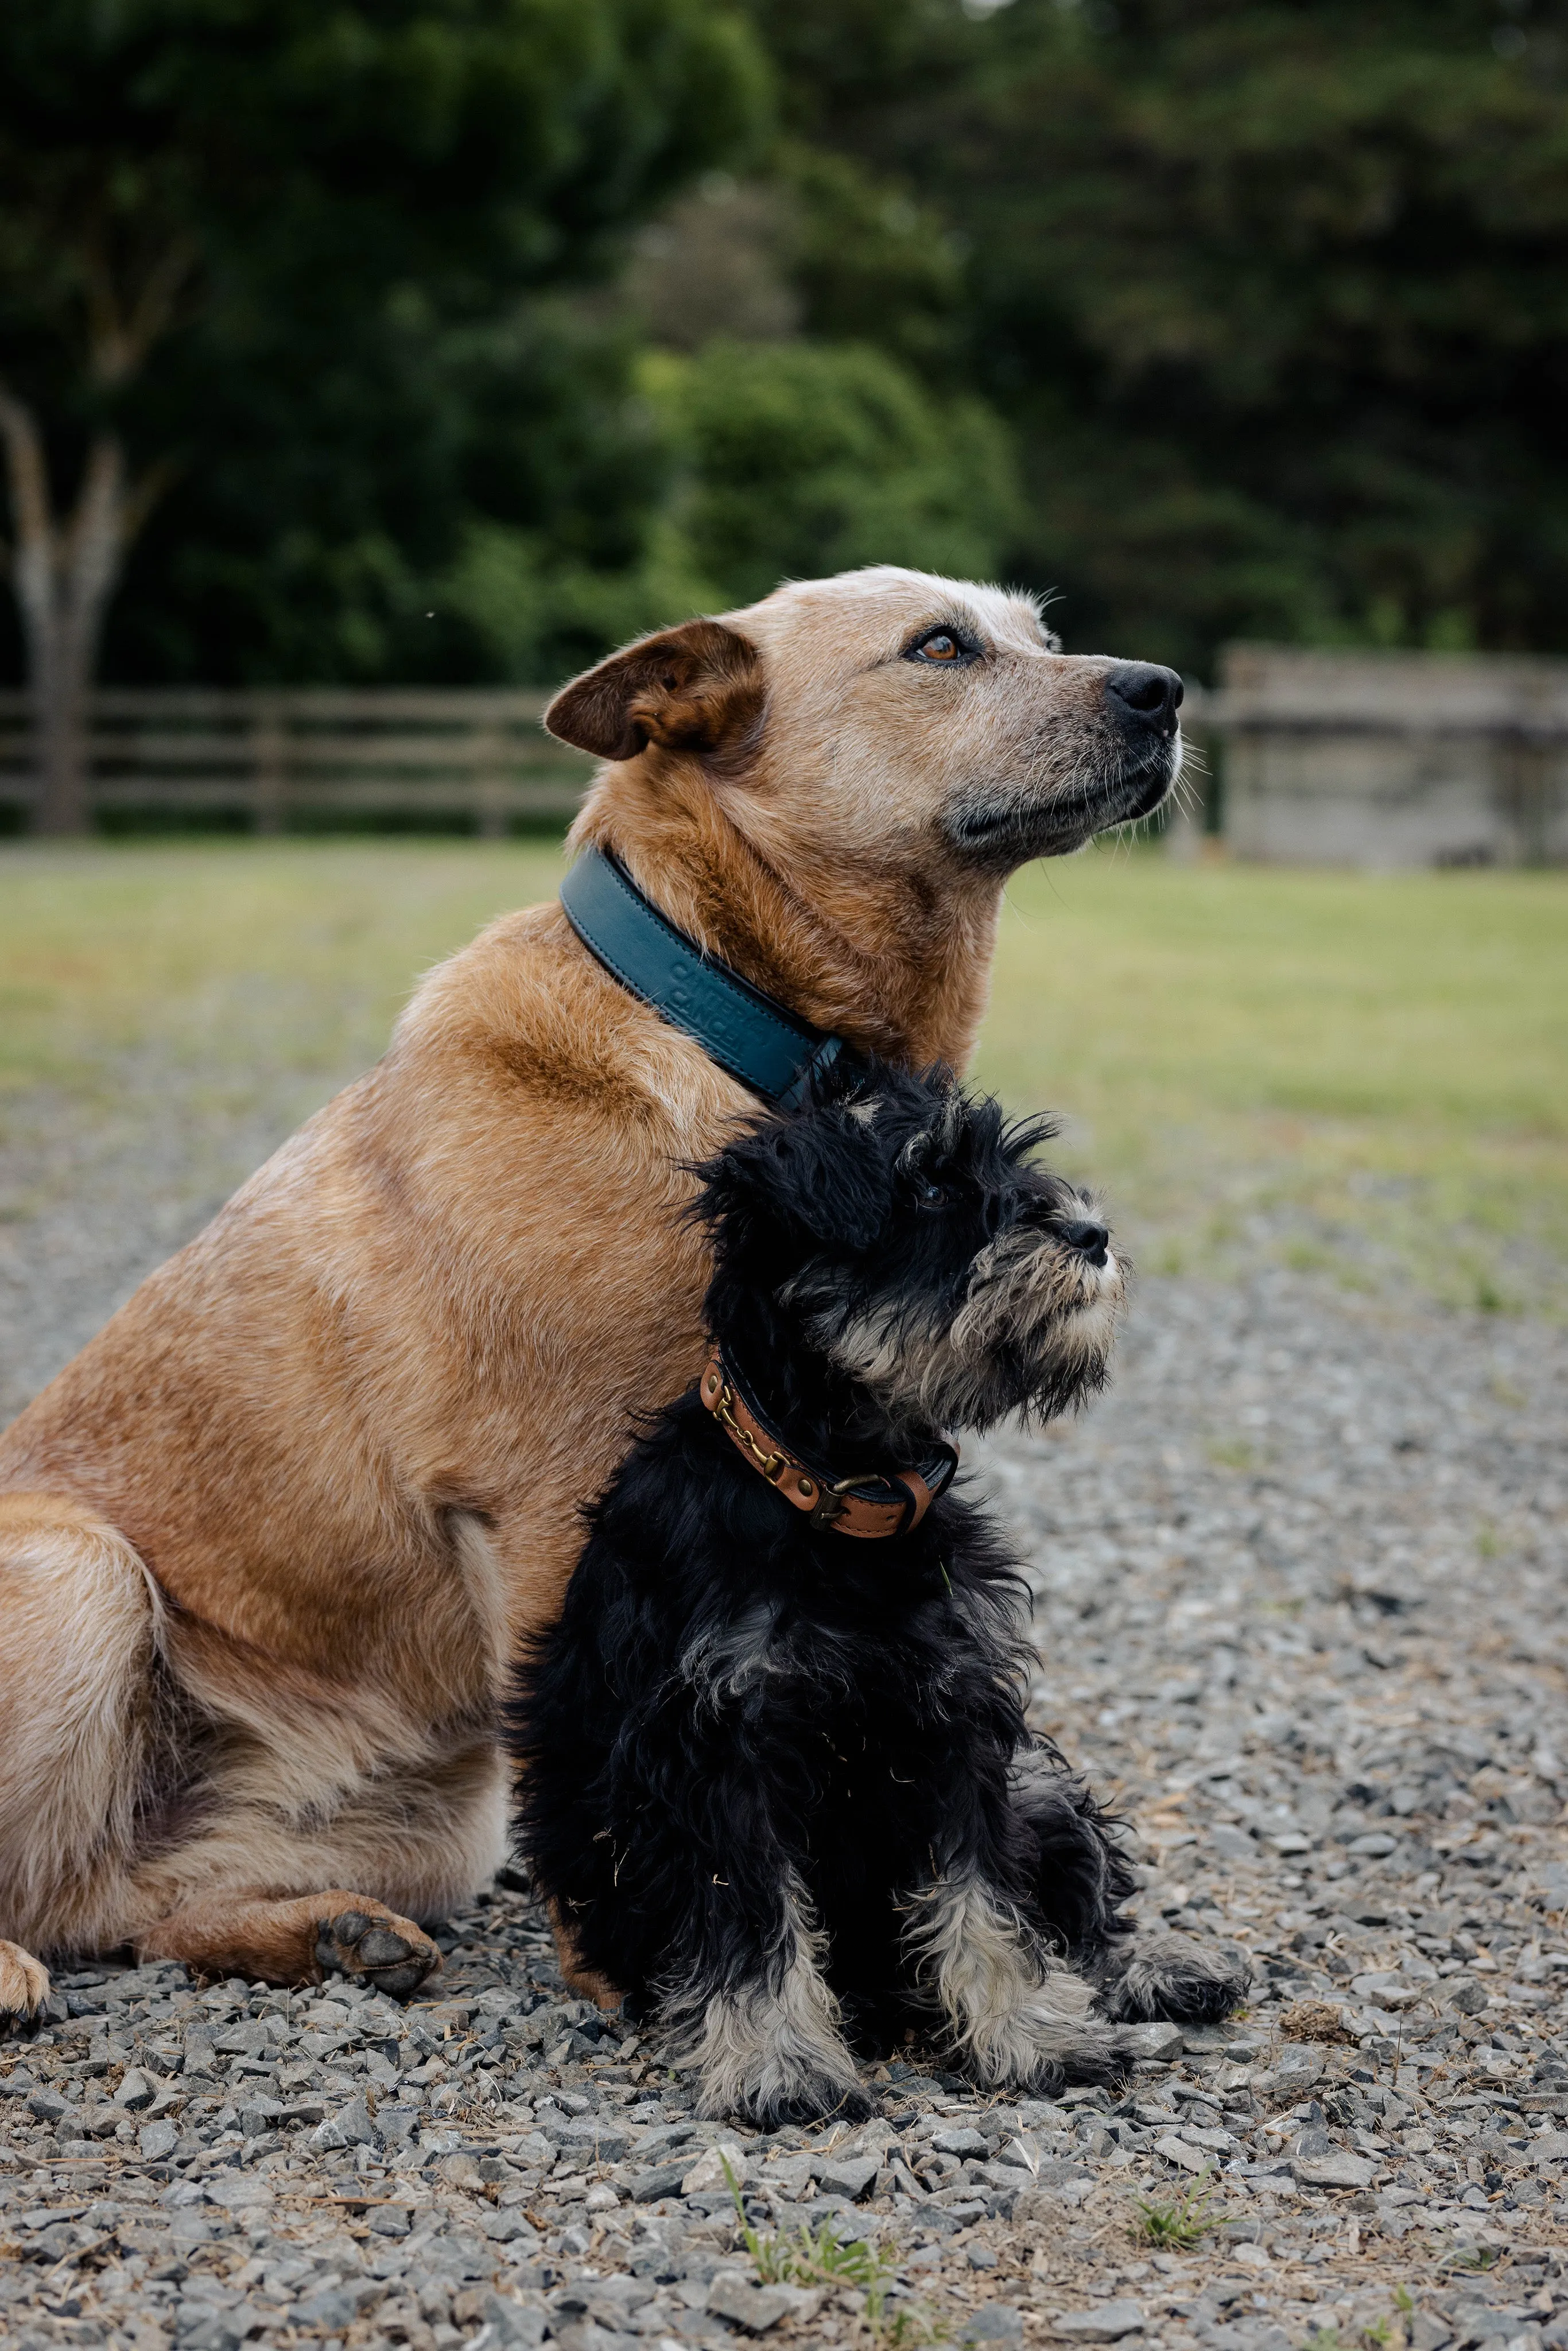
900	1229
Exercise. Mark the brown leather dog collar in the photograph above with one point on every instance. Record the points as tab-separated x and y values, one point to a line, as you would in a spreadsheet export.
871	1506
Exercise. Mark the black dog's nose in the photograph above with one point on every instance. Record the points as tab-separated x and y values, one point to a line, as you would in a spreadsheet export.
1141	691
1088	1237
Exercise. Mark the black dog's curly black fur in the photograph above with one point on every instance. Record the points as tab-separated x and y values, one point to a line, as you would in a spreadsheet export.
778	1786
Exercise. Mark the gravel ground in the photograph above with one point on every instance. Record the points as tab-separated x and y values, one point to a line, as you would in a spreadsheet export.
1300	1585
99	1185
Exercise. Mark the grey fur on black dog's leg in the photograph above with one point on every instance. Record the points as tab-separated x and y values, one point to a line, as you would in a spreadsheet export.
1017	2019
770	2046
1161	1978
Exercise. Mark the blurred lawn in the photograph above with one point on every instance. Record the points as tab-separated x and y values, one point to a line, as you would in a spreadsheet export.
1362	1075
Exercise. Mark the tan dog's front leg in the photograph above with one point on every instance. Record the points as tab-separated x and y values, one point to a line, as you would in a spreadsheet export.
24	1982
296	1940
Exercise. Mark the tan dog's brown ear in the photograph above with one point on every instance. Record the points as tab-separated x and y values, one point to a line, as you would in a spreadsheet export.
694	688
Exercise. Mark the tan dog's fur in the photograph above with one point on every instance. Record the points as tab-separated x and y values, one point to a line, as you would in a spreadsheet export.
267	1545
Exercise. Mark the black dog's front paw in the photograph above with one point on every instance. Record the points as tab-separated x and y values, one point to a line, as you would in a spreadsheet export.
1099	2064
1101	2068
1170	1979
850	2105
805	2103
1050	2045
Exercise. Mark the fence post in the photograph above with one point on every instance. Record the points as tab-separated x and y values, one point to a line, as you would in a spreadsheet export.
1522	790
1186	820
269	758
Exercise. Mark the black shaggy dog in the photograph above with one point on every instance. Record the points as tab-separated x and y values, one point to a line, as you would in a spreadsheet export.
777	1788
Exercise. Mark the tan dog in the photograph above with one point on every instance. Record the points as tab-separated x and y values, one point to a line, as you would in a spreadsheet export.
269	1544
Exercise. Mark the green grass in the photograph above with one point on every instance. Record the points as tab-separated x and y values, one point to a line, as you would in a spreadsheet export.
1182	2223
820	2257
297	954
1360	1076
1363	1078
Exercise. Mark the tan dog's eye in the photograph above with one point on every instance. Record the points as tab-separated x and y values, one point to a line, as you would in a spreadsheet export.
940	648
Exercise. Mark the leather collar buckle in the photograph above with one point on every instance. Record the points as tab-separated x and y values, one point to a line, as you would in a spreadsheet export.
771	1465
829	1507
870	1505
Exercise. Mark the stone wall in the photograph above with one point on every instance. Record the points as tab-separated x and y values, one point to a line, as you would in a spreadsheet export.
1384	760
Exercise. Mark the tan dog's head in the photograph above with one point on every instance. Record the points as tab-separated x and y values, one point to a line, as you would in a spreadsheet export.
913	714
888	747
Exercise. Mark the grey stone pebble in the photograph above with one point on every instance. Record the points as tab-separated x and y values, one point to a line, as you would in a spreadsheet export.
1107	2322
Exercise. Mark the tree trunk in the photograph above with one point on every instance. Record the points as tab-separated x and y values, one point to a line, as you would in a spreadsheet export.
64	574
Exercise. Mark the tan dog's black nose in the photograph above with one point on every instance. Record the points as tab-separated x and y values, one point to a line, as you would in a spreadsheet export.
1143	693
1085	1235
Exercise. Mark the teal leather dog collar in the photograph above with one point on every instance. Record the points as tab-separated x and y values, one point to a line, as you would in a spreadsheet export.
745	1031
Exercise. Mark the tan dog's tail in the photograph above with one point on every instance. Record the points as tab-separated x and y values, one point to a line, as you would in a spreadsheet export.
81	1615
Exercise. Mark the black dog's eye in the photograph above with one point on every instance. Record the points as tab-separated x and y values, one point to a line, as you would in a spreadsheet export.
931	1196
943	648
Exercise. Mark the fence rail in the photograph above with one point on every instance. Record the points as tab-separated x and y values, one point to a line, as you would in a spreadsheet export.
286	756
1319	756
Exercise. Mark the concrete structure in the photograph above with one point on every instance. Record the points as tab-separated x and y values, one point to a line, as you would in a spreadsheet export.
1387	759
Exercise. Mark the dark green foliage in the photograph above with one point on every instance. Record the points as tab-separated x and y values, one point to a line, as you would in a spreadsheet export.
1269	297
340	485
1276	296
803	457
777	460
343	213
870	261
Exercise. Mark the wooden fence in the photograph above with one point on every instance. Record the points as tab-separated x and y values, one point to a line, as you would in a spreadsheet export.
312	757
1324	757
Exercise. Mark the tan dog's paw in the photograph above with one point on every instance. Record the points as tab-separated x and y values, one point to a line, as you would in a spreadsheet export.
24	1984
378	1946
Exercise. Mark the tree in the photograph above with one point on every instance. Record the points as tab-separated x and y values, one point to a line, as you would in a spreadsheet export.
314	334
205	203
774	459
802	457
1274	294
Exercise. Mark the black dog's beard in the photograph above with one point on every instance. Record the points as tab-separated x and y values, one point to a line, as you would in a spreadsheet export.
1032	1332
